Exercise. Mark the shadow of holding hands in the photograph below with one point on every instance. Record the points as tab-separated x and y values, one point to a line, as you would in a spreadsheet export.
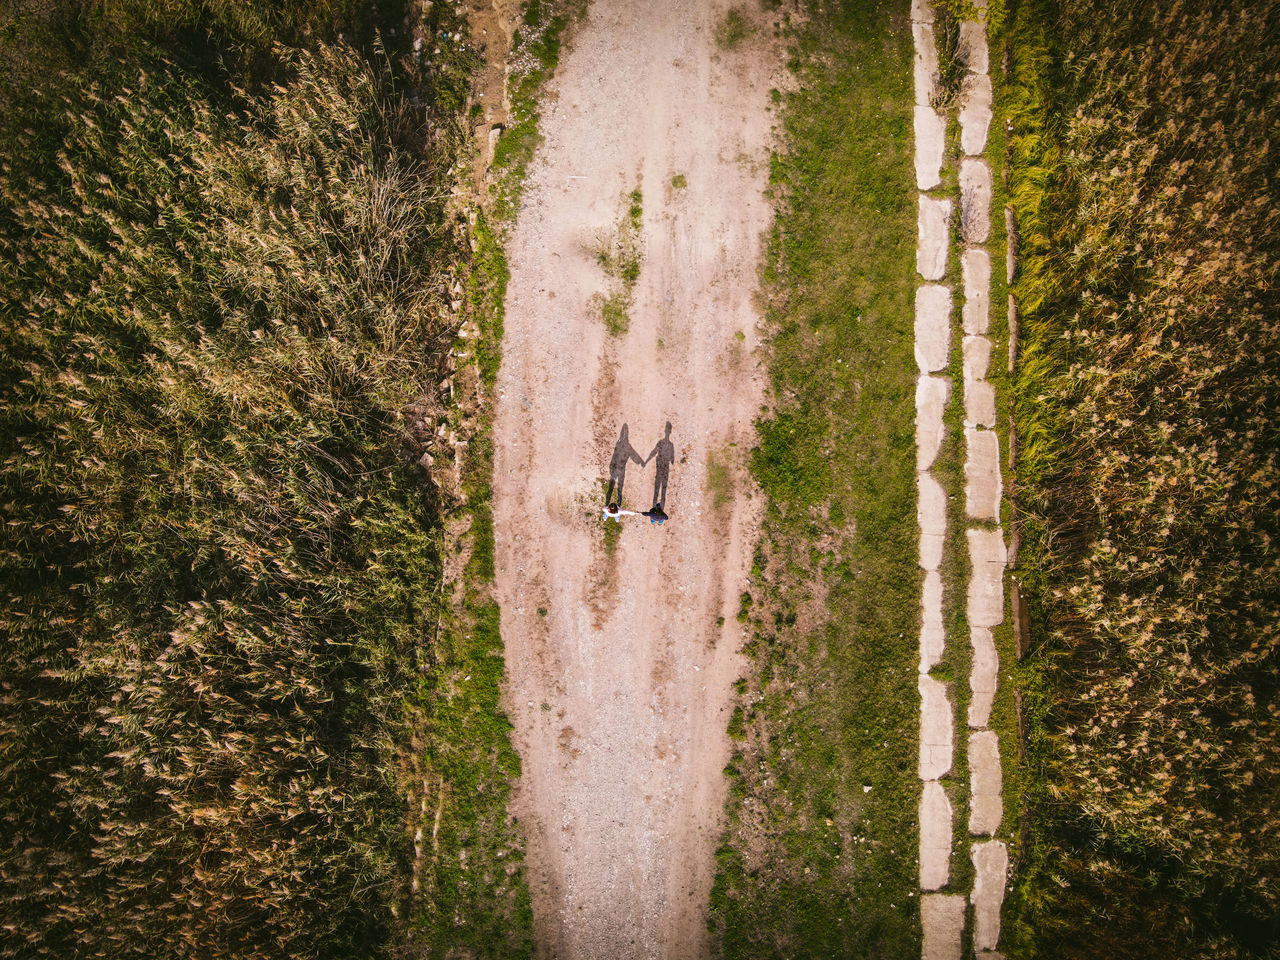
664	452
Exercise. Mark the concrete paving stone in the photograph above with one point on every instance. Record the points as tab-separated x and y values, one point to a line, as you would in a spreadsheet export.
975	113
921	11
933	327
991	863
979	403
934	223
931	135
1011	245
986	805
933	635
942	922
1013	332
977	358
975	200
935	728
982	676
932	394
926	63
931	513
987	559
982	485
972	48
935	837
975	267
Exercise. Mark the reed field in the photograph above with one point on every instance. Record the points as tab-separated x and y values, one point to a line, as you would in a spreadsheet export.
222	281
1142	168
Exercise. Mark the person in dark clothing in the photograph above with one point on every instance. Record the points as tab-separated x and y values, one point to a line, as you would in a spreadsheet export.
656	515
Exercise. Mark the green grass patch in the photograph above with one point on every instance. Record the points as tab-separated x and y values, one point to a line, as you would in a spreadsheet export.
733	29
815	864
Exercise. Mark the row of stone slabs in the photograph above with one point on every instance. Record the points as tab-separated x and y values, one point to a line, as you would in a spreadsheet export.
943	914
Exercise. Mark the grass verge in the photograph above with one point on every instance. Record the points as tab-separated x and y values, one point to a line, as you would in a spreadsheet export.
474	897
819	858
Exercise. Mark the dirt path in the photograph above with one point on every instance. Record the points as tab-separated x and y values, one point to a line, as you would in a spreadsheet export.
621	659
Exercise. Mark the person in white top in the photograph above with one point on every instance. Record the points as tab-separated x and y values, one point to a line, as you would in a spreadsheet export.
614	512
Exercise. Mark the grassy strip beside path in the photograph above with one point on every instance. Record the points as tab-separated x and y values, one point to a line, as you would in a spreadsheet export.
820	854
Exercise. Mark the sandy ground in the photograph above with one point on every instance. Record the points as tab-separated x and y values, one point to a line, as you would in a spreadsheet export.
621	663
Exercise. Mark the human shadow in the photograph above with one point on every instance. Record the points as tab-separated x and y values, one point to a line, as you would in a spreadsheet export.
665	453
622	452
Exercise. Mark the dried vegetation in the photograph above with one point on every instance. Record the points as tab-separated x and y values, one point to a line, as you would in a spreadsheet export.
1144	177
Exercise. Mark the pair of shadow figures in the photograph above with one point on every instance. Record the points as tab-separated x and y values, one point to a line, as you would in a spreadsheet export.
664	452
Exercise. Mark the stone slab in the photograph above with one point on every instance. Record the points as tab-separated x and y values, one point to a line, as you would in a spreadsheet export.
977	358
931	513
975	268
987	558
921	11
933	327
982	484
926	63
933	635
975	200
942	923
972	48
936	730
975	113
986	805
1013	332
979	404
934	226
991	863
932	394
1011	245
935	837
982	676
931	135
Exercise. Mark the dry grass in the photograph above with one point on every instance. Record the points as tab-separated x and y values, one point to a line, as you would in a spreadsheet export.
1149	412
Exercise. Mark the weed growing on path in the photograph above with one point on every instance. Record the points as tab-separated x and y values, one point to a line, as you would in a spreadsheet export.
620	254
733	29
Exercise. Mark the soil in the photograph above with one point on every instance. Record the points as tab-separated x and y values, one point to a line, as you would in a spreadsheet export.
622	642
